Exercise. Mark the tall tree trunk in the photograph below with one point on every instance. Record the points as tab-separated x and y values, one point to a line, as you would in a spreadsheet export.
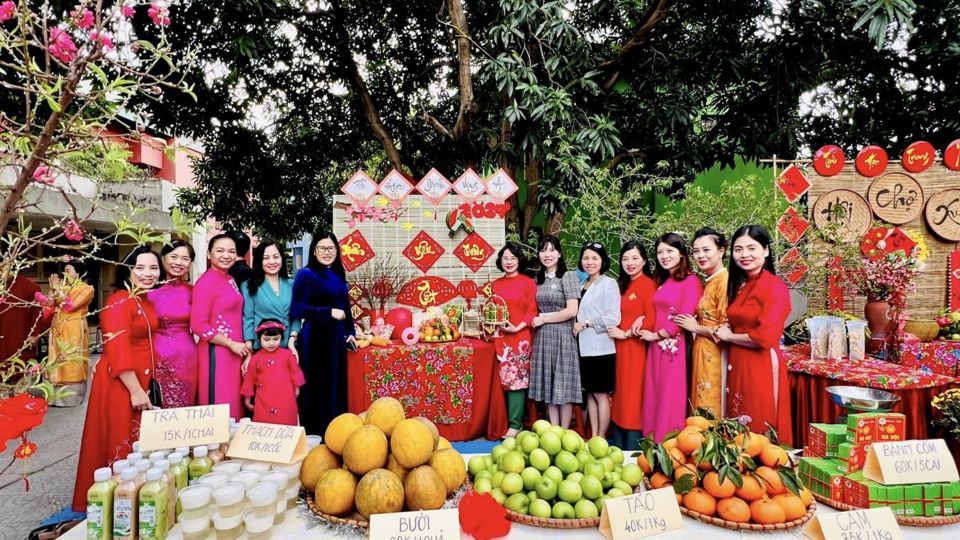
554	224
506	135
464	78
531	176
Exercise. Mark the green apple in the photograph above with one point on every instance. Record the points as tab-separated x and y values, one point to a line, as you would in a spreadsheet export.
483	474
540	427
553	473
547	488
540	508
532	495
572	441
566	462
497	478
539	459
498	451
499	496
530	443
530	478
616	455
509	443
584	457
550	442
488	461
606	462
475	465
518	502
569	491
575	477
482	485
614	493
511	483
955	316
600	501
585	509
623	486
594	468
607	480
632	474
615	475
558	430
492	469
598	446
512	461
591	487
563	510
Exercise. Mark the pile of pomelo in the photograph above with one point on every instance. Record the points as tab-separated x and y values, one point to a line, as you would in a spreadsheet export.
380	462
719	468
552	472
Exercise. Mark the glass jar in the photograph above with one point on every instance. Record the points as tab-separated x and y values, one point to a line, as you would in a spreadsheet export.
195	502
230	498
280	478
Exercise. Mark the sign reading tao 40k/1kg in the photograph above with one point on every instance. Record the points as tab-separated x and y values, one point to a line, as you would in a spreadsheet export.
184	426
640	515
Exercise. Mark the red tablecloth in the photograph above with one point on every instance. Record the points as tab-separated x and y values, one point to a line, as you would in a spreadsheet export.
811	403
487	417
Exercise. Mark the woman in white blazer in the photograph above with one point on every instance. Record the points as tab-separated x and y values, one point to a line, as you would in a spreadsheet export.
599	310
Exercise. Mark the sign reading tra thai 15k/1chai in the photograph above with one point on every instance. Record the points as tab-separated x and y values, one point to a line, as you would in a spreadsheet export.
184	426
276	443
640	515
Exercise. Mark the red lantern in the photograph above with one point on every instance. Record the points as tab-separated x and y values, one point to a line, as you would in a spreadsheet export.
918	156
871	161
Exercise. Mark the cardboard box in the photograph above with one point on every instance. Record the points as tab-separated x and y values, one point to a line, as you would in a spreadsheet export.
824	439
868	427
895	499
852	456
822	476
913	500
950	492
932	500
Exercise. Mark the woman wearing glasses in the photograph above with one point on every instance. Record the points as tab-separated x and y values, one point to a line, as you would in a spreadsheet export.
678	291
555	370
599	310
320	300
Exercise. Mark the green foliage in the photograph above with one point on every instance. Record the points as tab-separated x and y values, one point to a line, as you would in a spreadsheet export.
103	161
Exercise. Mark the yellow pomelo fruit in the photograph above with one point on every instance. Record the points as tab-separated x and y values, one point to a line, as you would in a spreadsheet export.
449	464
366	449
424	489
411	443
443	443
396	468
384	413
379	492
319	460
339	429
335	492
432	428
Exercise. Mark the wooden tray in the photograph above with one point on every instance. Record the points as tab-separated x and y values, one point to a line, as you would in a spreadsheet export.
912	521
353	520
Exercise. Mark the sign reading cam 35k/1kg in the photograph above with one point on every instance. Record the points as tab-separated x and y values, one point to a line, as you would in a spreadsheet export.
276	443
872	524
184	426
910	462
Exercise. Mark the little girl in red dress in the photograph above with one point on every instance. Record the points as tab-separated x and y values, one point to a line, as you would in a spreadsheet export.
273	377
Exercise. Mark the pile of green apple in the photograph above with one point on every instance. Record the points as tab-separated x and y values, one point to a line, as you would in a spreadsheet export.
553	472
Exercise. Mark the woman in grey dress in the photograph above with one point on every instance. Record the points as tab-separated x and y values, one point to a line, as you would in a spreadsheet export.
555	368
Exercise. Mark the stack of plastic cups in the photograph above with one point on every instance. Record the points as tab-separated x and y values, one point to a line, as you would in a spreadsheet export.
258	520
228	516
195	517
229	468
281	478
247	478
213	480
259	466
293	484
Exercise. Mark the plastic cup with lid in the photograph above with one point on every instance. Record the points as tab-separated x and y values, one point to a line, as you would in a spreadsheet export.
258	527
227	528
195	501
261	467
230	498
247	478
314	440
281	478
213	479
263	499
229	467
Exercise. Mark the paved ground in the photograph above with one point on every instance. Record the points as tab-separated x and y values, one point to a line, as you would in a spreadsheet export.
51	471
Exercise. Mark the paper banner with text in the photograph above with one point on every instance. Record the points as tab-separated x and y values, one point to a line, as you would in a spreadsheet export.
395	187
422	525
910	462
274	443
360	187
875	524
640	515
184	426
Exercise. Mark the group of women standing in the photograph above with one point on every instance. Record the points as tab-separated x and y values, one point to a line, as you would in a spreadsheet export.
195	340
620	345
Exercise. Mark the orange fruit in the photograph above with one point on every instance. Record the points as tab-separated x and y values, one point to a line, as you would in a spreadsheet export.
689	440
658	480
699	500
670	443
767	512
704	465
644	464
687	470
793	507
806	496
733	509
751	443
774	456
698	422
712	485
771	480
679	458
751	489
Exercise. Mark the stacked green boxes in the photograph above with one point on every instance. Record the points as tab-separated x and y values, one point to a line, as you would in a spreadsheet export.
852	456
913	500
822	476
865	428
824	439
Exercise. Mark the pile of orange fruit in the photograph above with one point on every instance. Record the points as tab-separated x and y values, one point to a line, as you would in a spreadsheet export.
760	484
438	330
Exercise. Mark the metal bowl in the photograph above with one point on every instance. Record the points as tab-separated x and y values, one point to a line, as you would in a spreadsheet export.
862	399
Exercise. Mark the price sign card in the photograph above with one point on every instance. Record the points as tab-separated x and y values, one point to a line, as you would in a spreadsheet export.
872	524
276	443
640	515
184	426
432	524
910	462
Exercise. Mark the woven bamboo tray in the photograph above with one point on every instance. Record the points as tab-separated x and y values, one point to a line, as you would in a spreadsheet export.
745	526
353	520
912	521
548	523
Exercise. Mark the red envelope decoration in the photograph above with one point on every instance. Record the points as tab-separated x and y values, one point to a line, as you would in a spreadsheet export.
829	160
793	183
354	250
918	156
951	156
869	245
792	225
473	251
791	267
467	289
426	291
954	286
423	251
871	161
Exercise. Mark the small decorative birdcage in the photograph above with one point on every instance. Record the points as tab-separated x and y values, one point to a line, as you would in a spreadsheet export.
495	316
470	324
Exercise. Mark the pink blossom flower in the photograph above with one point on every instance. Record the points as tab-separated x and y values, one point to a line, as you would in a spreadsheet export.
127	10
83	19
104	39
67	304
43	175
73	231
7	10
62	46
158	14
40	298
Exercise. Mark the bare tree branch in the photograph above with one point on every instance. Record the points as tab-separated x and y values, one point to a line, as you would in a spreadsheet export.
615	65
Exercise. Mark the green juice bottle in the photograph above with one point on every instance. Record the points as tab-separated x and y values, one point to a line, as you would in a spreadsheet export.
179	471
200	465
100	505
154	502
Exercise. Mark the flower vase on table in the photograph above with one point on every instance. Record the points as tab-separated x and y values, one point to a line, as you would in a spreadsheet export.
877	313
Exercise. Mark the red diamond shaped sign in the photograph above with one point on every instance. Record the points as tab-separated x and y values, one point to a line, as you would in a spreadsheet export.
469	186
423	251
434	186
355	292
792	225
487	289
500	186
791	267
354	250
793	183
473	251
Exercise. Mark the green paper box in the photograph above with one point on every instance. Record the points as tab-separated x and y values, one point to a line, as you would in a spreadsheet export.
932	500
913	500
895	500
